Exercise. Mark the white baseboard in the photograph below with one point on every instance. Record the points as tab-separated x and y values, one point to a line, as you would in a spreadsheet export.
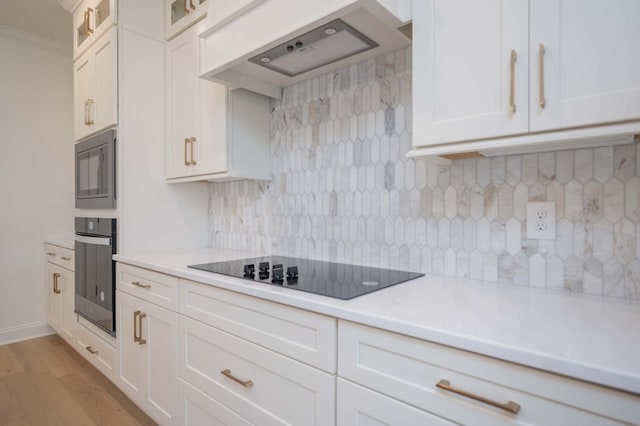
24	332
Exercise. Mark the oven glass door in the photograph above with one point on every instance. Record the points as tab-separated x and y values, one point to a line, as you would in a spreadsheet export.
94	280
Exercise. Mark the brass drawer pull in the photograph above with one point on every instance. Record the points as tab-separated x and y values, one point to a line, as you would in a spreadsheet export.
245	383
137	284
136	339
141	341
192	140
56	289
91	350
49	253
65	258
512	69
511	407
541	52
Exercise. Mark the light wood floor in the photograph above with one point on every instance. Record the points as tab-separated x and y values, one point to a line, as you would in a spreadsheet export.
46	382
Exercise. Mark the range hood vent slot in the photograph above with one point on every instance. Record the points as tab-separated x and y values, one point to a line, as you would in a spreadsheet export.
328	43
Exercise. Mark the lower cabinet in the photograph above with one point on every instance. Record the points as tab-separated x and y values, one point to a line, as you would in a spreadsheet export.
253	382
97	347
197	408
360	406
60	291
463	387
147	366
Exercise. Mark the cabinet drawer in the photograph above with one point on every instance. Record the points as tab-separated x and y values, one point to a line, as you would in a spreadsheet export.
153	287
409	369
305	336
358	406
281	390
197	409
60	256
96	350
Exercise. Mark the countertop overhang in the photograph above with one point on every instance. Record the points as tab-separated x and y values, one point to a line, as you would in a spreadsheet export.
591	338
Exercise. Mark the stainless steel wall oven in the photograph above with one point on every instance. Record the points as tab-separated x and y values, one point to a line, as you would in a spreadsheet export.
96	271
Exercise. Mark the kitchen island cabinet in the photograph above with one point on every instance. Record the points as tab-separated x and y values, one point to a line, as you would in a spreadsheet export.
394	347
500	77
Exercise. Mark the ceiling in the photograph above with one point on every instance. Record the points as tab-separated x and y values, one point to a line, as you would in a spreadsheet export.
45	18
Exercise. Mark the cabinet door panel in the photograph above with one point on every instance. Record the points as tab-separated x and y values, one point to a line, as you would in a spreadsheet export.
132	357
462	53
83	86
181	92
67	315
104	110
211	150
53	299
591	62
159	329
180	14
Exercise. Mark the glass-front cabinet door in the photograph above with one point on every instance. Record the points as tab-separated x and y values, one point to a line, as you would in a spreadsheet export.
91	19
181	14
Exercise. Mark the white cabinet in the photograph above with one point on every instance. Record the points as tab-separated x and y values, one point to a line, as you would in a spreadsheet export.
91	19
180	14
247	360
97	347
60	291
96	86
495	75
212	133
147	357
466	388
589	54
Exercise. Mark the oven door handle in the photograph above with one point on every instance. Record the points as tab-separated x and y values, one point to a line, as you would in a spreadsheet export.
101	241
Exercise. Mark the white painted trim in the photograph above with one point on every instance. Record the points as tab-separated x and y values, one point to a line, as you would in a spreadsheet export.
33	40
24	332
588	137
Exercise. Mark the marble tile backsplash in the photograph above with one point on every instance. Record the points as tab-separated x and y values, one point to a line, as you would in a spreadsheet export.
342	189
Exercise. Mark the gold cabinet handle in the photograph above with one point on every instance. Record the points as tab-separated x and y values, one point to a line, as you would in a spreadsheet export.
512	70
85	23
89	109
191	4
137	284
141	341
511	407
56	289
89	11
192	162
65	258
136	339
186	143
185	7
541	52
50	253
85	112
91	350
245	383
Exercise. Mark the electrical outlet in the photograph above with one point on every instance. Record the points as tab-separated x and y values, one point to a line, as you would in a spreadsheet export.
541	220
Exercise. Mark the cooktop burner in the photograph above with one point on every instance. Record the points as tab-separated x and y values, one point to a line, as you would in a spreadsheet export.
337	280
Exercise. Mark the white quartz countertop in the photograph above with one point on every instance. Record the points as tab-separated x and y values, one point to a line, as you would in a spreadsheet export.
66	241
592	338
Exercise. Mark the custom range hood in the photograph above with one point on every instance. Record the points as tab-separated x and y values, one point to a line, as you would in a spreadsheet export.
265	45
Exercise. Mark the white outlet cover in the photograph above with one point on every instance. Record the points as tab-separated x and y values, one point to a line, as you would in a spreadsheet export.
533	217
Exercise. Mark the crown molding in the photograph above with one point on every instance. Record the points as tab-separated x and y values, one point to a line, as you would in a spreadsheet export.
36	41
69	5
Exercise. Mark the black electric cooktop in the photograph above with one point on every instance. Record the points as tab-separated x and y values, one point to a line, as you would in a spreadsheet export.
337	280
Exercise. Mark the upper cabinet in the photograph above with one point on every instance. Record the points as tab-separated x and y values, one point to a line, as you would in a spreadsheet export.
500	76
212	133
180	14
91	19
95	87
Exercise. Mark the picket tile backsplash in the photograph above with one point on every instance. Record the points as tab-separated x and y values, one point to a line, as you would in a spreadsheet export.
342	189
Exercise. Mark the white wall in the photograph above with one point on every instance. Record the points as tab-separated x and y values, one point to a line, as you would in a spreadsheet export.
36	173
